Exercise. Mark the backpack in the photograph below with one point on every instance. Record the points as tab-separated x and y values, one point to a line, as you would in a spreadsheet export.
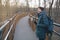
50	21
50	27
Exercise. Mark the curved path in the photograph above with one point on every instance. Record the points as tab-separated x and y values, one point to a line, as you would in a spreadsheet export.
23	30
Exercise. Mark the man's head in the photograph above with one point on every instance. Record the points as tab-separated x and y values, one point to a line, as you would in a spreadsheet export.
40	9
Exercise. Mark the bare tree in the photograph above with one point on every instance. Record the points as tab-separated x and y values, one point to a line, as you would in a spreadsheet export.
0	10
0	1
7	8
0	4
39	2
27	2
35	5
50	8
57	10
44	4
16	4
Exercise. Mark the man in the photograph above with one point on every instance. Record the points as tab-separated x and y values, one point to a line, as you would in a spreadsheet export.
42	24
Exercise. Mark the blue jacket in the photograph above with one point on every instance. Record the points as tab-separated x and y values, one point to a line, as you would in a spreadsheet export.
40	27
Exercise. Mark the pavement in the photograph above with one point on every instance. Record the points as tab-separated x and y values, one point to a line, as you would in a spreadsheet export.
23	30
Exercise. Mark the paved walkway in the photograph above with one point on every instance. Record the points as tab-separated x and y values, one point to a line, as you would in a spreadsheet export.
23	30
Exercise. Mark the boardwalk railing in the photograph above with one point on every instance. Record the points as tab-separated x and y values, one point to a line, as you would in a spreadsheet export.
32	18
58	25
6	30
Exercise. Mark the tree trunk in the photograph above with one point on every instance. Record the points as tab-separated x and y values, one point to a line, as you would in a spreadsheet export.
44	4
39	3
50	8
27	6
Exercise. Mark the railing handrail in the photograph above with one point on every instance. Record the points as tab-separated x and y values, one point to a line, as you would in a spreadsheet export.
3	22
56	33
8	32
56	24
3	26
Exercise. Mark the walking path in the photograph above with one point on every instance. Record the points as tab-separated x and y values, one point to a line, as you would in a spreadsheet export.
23	31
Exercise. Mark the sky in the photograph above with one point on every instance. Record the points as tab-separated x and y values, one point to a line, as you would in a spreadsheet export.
33	3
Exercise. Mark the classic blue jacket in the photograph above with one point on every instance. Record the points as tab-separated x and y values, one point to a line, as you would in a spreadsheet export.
41	25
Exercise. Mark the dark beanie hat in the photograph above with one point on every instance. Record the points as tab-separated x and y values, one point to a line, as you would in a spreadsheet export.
41	8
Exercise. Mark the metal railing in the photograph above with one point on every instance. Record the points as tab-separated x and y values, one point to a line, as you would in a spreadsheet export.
6	28
58	25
